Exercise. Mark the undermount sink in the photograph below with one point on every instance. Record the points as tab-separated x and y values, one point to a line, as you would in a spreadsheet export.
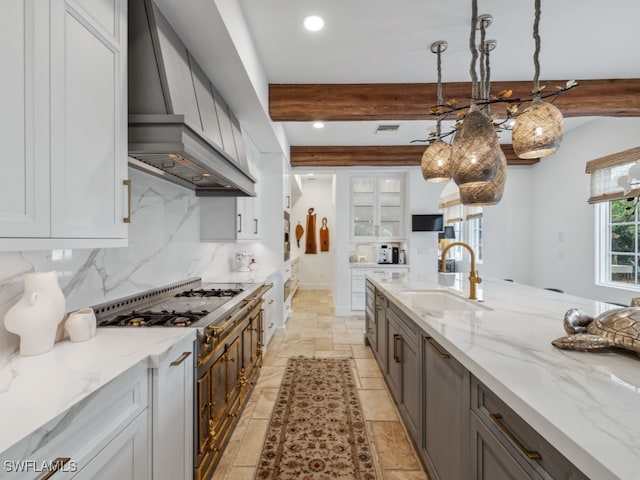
442	301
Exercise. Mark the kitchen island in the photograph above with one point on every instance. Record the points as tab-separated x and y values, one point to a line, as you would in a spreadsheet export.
586	405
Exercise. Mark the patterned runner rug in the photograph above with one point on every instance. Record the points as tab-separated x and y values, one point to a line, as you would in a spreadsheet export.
317	430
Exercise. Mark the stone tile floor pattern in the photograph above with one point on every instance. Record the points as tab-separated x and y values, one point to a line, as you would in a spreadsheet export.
313	330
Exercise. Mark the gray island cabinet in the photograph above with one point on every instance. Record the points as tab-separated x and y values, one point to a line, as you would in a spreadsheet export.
460	428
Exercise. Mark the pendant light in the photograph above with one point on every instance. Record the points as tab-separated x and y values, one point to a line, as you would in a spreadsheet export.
475	151
539	128
436	159
486	193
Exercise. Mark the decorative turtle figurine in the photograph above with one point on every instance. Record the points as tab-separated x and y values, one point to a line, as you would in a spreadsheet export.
617	328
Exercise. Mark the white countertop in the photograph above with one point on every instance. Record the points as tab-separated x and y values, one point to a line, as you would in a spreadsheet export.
377	265
585	404
36	389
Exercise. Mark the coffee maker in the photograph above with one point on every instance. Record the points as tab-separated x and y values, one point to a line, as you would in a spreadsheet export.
385	254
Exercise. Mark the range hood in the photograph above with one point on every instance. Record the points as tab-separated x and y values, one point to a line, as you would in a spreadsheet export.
180	128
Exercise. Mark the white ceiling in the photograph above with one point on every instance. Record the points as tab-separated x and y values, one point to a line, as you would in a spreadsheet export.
380	41
243	45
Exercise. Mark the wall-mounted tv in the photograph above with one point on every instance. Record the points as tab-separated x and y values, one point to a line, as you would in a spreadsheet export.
427	223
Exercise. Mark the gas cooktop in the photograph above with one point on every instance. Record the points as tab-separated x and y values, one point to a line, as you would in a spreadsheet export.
178	305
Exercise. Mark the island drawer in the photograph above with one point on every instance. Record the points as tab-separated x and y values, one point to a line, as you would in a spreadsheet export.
524	444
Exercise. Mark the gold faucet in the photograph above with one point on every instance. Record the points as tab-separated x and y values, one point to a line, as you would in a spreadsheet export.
473	275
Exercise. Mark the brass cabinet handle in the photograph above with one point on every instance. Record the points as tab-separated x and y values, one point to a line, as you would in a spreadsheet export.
180	359
255	226
530	454
435	347
396	337
127	183
59	463
239	223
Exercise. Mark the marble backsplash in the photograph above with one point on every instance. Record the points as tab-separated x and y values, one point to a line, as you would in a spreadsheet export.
164	247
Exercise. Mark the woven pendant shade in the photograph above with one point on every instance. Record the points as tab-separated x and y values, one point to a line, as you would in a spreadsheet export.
475	151
538	130
436	162
486	194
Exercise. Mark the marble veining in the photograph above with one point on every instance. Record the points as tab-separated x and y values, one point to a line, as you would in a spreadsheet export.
164	247
586	405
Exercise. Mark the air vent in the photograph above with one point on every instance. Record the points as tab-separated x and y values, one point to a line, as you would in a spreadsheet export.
386	129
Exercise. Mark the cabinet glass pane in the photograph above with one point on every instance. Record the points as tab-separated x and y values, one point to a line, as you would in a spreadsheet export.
390	200
390	229
363	200
390	214
363	214
363	229
363	185
389	185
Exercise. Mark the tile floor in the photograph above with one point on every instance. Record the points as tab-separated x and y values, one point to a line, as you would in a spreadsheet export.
314	330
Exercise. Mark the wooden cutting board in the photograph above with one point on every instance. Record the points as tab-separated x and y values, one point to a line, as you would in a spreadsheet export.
324	236
311	246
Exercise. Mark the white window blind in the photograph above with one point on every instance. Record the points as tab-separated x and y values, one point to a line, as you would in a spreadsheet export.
472	212
605	173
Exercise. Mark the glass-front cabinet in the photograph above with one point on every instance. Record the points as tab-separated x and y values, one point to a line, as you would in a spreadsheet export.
377	207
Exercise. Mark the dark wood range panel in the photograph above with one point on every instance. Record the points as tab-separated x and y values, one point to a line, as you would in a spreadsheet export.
226	376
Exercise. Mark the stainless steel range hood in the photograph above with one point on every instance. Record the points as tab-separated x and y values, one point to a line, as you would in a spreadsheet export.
180	128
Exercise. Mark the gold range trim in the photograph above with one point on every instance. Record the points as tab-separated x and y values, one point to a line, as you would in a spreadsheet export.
217	444
215	332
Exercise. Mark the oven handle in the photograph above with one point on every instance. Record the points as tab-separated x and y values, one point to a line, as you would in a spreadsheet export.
217	329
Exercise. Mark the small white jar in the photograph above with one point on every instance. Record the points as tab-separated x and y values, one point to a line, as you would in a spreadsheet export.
81	325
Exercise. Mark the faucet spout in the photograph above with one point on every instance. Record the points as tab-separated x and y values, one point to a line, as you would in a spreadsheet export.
474	278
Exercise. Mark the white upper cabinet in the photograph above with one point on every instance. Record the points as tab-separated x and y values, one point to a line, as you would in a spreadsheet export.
224	219
24	187
377	207
65	124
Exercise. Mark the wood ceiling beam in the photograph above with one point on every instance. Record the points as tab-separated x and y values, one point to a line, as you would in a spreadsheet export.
373	156
412	101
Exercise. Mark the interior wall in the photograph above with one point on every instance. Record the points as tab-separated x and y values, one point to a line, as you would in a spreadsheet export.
317	271
563	233
423	198
507	229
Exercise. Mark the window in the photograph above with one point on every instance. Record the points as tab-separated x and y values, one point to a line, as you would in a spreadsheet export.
465	220
616	222
474	236
618	243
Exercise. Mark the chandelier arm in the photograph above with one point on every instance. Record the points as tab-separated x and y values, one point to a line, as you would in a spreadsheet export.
487	82
474	52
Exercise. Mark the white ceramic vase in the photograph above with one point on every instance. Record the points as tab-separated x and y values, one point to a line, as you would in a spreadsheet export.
36	316
81	325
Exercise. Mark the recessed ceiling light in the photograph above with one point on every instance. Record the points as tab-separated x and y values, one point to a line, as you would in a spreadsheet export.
313	23
318	125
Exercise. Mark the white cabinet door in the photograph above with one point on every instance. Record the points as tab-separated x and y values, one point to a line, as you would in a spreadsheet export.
126	457
377	208
173	414
248	208
88	118
227	219
270	306
24	185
